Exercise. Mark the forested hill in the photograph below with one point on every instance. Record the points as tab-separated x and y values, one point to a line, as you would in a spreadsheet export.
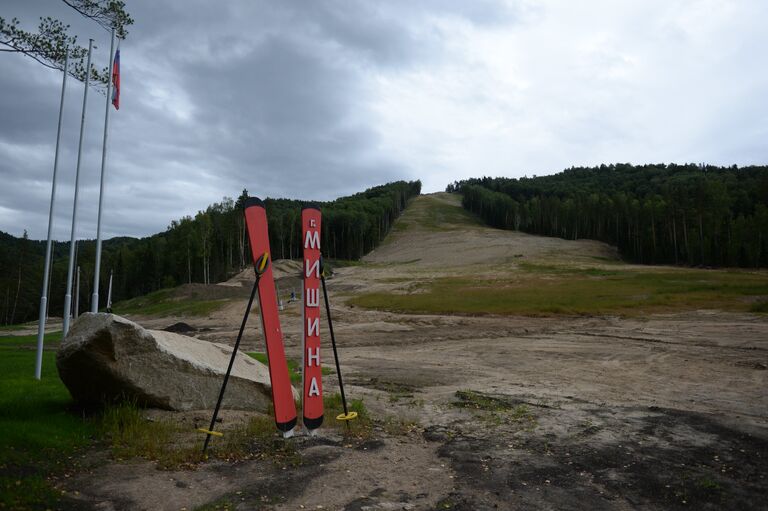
680	214
206	248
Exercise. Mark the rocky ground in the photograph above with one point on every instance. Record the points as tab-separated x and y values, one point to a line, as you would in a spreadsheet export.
659	412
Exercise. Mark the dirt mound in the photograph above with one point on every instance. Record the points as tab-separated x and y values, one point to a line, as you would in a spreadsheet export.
180	328
280	269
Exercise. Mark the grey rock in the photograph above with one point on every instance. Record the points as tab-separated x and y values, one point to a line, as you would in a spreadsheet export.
107	358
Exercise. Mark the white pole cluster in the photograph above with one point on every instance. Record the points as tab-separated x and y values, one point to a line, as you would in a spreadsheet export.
73	235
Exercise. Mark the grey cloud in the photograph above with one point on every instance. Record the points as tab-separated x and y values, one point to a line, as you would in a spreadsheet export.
286	98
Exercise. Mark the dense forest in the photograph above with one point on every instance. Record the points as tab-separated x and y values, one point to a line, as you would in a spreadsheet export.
207	248
682	214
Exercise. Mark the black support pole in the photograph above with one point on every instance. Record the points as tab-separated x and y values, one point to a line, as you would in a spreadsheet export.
209	432
333	343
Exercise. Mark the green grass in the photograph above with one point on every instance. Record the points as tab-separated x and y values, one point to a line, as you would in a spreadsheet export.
131	435
29	341
164	302
294	369
11	328
435	214
479	401
172	445
438	215
546	290
555	269
342	263
495	410
40	431
43	433
284	453
360	428
394	280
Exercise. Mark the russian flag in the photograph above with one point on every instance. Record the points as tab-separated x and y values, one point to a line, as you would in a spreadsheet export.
116	80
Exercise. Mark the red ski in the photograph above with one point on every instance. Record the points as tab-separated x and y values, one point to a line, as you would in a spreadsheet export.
282	392
312	392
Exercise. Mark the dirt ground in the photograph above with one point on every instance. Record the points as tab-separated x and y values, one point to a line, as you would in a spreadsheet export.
658	412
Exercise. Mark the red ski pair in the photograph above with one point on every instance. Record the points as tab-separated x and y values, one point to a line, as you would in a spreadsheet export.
312	387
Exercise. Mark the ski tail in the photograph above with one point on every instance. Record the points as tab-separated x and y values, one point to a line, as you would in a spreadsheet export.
282	391
312	384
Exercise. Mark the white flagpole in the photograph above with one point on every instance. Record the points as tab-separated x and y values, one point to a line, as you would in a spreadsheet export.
48	247
97	267
70	270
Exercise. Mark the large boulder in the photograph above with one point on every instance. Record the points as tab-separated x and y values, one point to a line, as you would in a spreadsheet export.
106	358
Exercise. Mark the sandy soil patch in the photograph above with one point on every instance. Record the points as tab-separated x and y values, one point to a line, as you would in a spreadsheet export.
659	412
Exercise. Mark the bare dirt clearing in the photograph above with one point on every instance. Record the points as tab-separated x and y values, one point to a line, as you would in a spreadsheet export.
653	411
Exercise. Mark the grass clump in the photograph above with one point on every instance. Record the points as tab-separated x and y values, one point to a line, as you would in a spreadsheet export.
165	302
258	438
131	435
294	369
359	429
399	427
495	410
479	401
537	290
172	445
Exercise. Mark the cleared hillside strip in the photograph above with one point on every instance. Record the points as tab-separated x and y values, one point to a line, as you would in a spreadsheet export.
669	214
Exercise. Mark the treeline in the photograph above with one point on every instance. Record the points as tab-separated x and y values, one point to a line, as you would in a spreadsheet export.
680	214
207	248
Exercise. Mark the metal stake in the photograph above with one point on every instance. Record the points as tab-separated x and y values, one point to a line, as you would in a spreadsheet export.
210	430
333	343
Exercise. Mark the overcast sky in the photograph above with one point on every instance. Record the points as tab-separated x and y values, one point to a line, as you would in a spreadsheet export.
318	99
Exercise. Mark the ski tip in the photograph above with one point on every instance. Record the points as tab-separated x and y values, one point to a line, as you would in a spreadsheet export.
253	201
313	423
286	426
310	205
